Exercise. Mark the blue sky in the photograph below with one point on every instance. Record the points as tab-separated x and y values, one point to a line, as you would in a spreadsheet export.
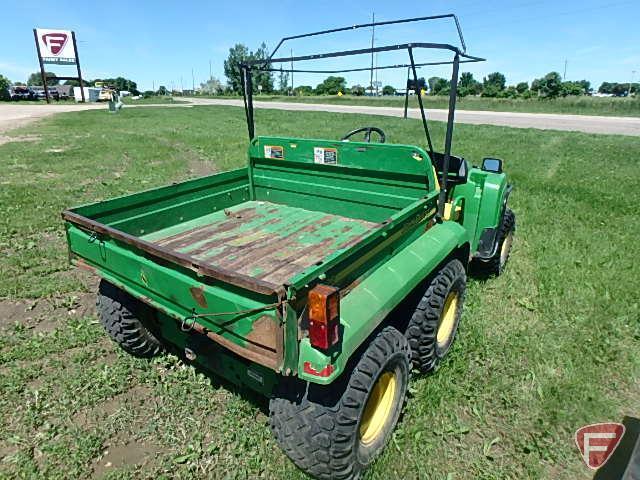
160	42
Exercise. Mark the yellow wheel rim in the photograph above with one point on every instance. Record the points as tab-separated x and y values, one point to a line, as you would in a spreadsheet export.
377	411
506	247
448	320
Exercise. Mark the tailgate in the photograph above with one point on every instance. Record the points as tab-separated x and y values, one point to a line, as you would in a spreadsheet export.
239	313
248	323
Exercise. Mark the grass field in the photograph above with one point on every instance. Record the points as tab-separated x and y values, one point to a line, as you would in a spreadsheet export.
549	346
571	105
157	100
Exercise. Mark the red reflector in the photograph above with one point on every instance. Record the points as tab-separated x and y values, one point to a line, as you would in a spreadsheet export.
325	372
324	316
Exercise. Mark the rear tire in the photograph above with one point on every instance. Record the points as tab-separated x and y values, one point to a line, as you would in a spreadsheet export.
433	325
336	431
127	320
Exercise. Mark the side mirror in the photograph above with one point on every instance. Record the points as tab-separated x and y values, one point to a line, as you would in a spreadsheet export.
493	165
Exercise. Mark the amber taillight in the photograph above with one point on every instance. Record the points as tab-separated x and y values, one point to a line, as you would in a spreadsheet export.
324	316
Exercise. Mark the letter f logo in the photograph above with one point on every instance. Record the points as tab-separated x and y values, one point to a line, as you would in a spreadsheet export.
598	441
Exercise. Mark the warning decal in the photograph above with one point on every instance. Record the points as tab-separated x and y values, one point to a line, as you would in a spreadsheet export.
326	156
276	152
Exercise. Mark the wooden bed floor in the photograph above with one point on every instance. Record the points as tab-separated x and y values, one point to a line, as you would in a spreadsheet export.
262	240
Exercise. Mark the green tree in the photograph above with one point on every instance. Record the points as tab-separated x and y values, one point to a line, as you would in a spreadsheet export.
509	92
331	86
35	79
357	90
522	87
551	85
440	86
5	83
493	84
535	85
303	90
586	86
388	90
262	78
467	85
620	89
571	88
238	54
74	83
283	82
162	90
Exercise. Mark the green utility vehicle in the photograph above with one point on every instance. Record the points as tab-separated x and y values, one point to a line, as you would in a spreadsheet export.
319	275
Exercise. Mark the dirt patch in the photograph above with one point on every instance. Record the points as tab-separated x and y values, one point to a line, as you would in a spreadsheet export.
138	395
128	454
19	138
45	315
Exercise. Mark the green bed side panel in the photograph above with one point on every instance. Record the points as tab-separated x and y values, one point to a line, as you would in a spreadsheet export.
370	302
145	212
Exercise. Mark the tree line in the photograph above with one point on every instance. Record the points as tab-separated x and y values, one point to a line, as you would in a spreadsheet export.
551	85
493	85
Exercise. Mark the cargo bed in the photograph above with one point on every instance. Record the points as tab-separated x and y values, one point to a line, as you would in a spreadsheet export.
265	241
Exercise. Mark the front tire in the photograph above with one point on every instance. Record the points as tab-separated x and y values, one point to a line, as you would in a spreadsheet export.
336	431
127	320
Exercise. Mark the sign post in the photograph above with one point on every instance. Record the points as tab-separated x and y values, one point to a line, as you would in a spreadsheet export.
42	72
75	49
54	47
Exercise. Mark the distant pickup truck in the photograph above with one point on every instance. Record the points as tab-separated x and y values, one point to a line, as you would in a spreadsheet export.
21	92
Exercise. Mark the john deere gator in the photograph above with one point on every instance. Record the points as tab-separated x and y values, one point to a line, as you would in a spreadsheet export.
321	274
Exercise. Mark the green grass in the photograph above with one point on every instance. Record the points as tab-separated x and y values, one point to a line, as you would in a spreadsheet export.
157	100
571	105
549	346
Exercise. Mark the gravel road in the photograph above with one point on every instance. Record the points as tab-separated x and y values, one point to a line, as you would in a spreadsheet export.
13	115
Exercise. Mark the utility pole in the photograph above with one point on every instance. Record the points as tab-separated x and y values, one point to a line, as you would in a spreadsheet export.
193	83
210	75
564	77
633	72
153	82
292	92
373	32
377	85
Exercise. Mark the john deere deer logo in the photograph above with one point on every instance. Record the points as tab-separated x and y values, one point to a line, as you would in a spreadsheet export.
55	42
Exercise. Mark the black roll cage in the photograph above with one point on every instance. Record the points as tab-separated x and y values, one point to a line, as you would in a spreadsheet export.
459	56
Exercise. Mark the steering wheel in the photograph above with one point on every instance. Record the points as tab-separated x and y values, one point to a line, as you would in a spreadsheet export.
367	135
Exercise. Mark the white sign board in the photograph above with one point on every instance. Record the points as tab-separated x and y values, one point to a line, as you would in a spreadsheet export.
56	46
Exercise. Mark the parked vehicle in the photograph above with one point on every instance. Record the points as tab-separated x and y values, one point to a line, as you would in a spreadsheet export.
40	94
319	275
21	92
